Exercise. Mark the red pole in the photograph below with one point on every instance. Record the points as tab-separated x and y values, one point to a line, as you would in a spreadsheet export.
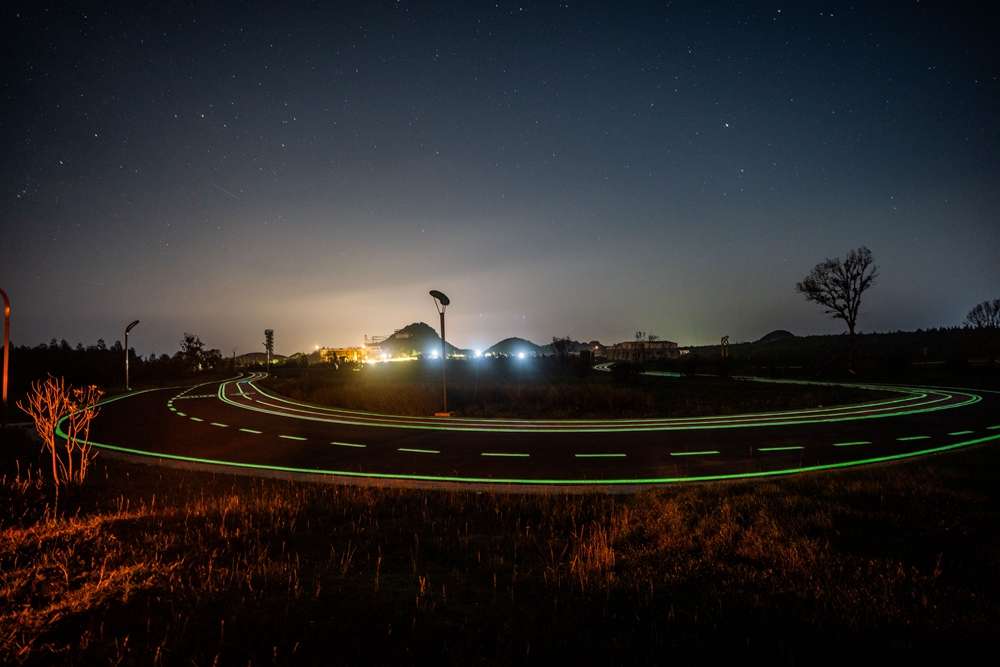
6	351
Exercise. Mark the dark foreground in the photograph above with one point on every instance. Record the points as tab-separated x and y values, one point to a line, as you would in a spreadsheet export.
889	564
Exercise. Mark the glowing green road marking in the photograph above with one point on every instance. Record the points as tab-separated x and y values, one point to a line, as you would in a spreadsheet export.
961	433
916	403
173	409
218	424
250	430
505	454
347	444
181	414
993	428
851	444
291	437
419	451
594	483
914	437
531	482
195	419
693	453
777	449
599	456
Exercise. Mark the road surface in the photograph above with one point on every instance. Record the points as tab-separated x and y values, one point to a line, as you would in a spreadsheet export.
239	425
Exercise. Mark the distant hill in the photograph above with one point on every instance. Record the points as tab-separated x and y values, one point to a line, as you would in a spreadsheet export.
416	339
778	334
516	346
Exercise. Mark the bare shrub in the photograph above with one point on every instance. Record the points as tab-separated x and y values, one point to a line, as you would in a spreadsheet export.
49	403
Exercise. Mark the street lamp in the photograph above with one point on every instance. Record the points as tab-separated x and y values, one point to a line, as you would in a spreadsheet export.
127	329
6	348
441	302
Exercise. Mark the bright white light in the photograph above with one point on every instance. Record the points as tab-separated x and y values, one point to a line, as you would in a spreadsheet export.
479	353
520	355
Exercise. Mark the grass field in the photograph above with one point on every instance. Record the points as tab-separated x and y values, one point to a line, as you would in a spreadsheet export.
534	389
890	564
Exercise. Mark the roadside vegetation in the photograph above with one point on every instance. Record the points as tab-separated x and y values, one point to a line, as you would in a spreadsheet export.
146	566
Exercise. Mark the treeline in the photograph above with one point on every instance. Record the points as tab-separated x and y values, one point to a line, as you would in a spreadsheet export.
954	351
104	366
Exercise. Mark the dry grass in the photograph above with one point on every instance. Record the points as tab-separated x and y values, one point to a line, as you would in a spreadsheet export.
151	566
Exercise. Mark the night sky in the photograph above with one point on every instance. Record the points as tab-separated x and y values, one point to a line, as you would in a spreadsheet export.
582	169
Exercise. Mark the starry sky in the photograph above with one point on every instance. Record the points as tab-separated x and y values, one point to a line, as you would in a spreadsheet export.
587	169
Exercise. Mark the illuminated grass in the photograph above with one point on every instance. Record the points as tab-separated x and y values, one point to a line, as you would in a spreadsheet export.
894	564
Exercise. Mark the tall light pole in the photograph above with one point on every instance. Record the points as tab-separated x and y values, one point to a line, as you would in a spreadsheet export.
127	329
6	349
269	346
441	302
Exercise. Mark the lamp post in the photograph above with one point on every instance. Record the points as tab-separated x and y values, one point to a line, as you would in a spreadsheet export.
127	329
441	302
6	348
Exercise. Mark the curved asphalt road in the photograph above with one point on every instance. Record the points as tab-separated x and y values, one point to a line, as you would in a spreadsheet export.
237	423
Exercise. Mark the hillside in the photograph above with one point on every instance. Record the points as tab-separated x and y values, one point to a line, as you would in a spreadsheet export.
516	346
416	339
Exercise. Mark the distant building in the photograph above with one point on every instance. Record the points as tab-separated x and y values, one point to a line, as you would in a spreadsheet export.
643	351
337	354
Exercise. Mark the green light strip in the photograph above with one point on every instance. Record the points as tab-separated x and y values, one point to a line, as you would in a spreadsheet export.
600	456
993	428
506	454
419	451
962	433
181	414
560	482
539	482
693	453
851	444
291	437
777	449
250	430
347	444
544	426
196	419
914	437
218	424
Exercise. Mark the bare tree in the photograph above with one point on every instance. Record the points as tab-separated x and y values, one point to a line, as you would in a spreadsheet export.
985	319
985	315
49	403
838	286
561	346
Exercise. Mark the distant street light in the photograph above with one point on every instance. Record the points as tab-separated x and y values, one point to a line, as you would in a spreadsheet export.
6	353
127	329
441	302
